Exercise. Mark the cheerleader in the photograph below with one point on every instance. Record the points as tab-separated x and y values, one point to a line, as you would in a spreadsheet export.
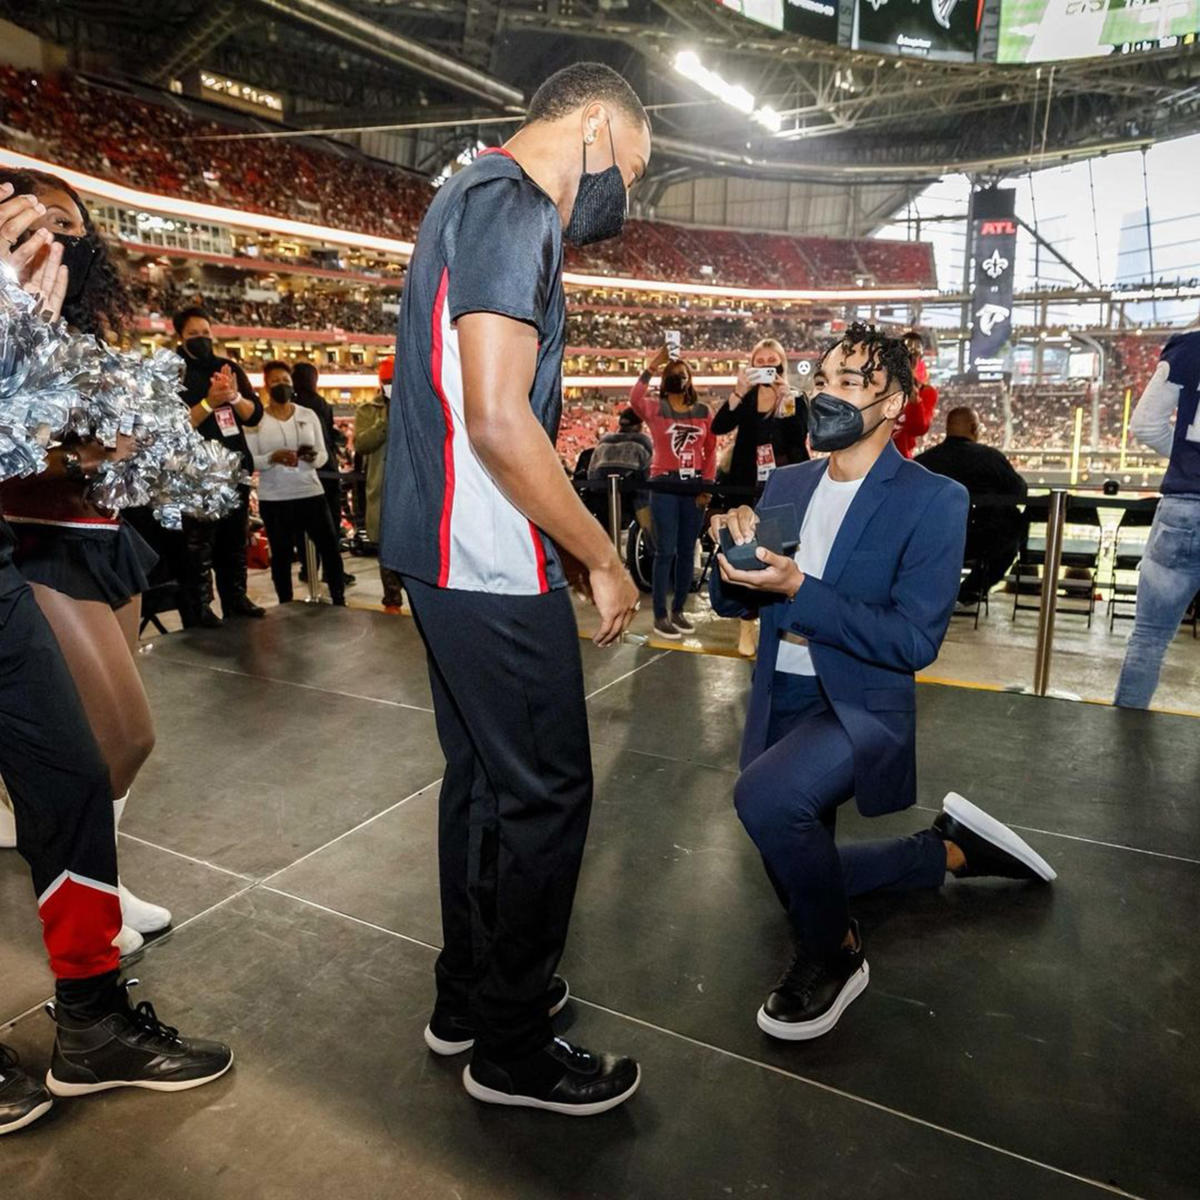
86	567
62	795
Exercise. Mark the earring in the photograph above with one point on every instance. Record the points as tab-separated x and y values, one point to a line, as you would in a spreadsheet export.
591	137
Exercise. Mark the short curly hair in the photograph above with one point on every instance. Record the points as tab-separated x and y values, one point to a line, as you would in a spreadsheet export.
884	353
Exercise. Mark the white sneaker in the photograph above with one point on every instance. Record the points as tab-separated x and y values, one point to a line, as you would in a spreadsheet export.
137	914
141	915
8	828
128	941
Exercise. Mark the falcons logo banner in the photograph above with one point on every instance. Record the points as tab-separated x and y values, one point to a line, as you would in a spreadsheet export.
995	253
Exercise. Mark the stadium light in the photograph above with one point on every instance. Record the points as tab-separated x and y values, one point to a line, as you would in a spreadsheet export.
193	210
688	64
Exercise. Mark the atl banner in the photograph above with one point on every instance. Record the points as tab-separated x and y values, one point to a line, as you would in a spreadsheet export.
995	254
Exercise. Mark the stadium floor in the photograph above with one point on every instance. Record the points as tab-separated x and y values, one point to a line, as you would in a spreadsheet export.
1014	1041
999	654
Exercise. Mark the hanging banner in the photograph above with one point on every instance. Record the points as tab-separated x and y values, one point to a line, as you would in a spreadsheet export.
994	250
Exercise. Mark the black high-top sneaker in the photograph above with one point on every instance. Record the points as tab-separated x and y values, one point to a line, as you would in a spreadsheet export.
128	1047
814	992
453	1033
559	1078
22	1100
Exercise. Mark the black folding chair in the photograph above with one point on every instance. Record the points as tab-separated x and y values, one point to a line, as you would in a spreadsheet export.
1132	535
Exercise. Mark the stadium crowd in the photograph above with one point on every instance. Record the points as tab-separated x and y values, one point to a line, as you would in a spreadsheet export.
163	147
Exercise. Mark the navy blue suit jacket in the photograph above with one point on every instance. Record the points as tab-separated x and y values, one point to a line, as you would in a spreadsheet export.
877	616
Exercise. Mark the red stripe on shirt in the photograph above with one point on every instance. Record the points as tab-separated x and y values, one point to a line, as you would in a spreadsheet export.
539	552
501	149
436	350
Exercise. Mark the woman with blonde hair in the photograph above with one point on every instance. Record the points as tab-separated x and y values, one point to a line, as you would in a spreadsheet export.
771	431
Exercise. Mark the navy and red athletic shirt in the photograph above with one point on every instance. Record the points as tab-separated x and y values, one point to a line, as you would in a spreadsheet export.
490	242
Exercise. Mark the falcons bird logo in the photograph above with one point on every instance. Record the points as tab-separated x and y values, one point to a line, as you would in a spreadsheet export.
682	436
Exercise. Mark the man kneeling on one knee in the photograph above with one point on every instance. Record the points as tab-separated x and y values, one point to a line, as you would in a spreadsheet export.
845	624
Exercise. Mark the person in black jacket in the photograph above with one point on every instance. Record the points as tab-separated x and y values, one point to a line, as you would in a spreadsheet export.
304	381
994	529
772	431
221	403
771	427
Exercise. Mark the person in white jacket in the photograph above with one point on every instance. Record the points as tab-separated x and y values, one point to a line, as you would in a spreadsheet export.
288	448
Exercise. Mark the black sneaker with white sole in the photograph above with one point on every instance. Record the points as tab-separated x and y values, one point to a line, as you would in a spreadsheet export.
683	622
451	1033
129	1047
560	1078
814	992
664	628
22	1099
988	845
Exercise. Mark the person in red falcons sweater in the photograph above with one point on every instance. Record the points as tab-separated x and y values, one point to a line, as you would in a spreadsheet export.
918	412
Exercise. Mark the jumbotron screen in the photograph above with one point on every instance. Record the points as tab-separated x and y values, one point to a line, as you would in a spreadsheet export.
942	29
1048	30
810	18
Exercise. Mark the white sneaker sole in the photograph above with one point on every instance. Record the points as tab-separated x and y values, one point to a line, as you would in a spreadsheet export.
999	834
449	1049
60	1088
490	1096
28	1119
791	1031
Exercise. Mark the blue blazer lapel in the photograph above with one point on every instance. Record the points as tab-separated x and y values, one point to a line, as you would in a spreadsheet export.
862	508
806	484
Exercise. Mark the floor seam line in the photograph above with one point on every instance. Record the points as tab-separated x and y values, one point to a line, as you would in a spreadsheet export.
308	687
621	679
830	1089
200	862
355	829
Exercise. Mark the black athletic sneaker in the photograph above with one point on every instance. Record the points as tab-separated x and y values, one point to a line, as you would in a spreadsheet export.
22	1100
988	845
814	993
683	622
561	1078
448	1033
664	627
129	1047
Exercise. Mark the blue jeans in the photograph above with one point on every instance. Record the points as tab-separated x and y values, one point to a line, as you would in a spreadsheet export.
788	798
676	522
1170	577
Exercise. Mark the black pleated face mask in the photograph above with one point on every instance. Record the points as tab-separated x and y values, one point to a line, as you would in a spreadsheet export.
836	424
79	253
601	203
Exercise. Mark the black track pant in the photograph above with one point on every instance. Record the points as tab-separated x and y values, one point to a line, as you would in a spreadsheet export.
287	521
508	693
60	789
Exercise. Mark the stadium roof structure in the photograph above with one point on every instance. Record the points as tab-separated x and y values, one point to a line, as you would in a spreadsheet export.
848	116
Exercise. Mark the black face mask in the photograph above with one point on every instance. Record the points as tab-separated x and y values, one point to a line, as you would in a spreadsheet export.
79	254
600	204
674	385
835	424
199	348
282	393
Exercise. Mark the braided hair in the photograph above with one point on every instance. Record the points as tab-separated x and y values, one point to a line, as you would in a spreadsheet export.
105	305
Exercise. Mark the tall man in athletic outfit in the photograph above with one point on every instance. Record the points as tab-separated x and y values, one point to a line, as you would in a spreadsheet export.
475	506
863	605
